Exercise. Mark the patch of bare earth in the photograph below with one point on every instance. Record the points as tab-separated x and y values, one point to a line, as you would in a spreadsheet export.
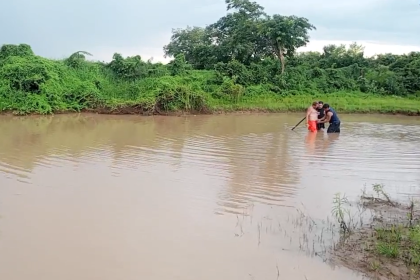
385	248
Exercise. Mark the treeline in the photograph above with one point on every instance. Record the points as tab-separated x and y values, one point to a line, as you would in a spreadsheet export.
254	48
246	53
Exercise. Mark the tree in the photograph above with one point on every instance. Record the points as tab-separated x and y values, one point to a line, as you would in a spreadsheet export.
178	66
334	51
130	68
356	50
285	34
194	43
234	36
337	56
22	50
237	34
246	7
77	59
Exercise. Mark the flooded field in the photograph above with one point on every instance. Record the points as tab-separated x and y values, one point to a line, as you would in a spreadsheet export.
88	197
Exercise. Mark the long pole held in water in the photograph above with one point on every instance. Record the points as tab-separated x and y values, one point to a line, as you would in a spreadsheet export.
299	123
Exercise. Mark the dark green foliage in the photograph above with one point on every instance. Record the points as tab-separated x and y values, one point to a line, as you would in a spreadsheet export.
21	50
129	69
77	59
179	66
179	97
26	74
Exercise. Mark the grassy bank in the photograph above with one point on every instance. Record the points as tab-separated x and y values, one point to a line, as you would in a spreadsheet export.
388	245
343	102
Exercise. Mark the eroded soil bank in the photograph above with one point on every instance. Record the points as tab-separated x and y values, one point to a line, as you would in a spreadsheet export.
136	110
139	109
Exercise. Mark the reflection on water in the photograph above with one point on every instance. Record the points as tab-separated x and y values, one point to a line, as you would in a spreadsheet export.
128	197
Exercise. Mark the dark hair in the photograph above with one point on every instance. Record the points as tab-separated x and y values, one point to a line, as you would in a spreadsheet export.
320	102
326	106
314	103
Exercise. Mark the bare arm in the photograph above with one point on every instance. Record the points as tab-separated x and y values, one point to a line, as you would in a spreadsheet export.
327	118
308	112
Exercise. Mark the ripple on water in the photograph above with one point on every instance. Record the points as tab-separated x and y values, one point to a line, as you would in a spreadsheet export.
368	153
241	161
136	188
14	172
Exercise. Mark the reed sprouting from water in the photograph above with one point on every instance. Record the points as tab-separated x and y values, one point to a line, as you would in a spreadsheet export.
374	235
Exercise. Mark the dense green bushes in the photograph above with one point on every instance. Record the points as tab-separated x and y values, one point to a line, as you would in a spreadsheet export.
246	60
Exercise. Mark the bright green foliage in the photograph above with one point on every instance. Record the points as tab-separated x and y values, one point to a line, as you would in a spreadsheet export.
245	60
21	50
400	242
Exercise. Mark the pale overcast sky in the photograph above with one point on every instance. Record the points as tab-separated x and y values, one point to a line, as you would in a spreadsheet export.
57	28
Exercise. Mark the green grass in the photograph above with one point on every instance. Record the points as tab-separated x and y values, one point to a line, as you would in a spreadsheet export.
389	244
399	242
343	102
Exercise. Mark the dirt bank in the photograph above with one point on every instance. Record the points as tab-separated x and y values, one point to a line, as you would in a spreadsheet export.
386	248
140	110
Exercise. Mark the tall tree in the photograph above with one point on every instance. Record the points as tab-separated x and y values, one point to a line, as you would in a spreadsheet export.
237	34
285	34
246	34
195	43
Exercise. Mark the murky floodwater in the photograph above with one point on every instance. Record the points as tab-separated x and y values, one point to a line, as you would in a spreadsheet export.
208	197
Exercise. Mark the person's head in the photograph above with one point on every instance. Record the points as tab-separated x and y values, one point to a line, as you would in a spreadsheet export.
315	104
320	104
326	107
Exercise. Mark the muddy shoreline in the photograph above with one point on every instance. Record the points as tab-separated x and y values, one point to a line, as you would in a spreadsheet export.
372	250
138	110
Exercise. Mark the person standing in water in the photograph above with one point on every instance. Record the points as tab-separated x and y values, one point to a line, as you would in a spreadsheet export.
312	117
321	114
332	118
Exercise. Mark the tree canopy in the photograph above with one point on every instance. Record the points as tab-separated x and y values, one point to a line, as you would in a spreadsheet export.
246	34
252	47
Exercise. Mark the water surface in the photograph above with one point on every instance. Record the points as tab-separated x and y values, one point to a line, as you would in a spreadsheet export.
202	197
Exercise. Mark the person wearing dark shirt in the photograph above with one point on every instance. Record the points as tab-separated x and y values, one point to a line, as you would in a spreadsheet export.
332	118
321	114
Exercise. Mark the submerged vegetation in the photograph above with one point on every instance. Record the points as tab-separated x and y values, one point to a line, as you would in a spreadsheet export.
371	234
247	60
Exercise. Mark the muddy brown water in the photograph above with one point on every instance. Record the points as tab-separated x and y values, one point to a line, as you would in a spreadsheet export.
201	197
